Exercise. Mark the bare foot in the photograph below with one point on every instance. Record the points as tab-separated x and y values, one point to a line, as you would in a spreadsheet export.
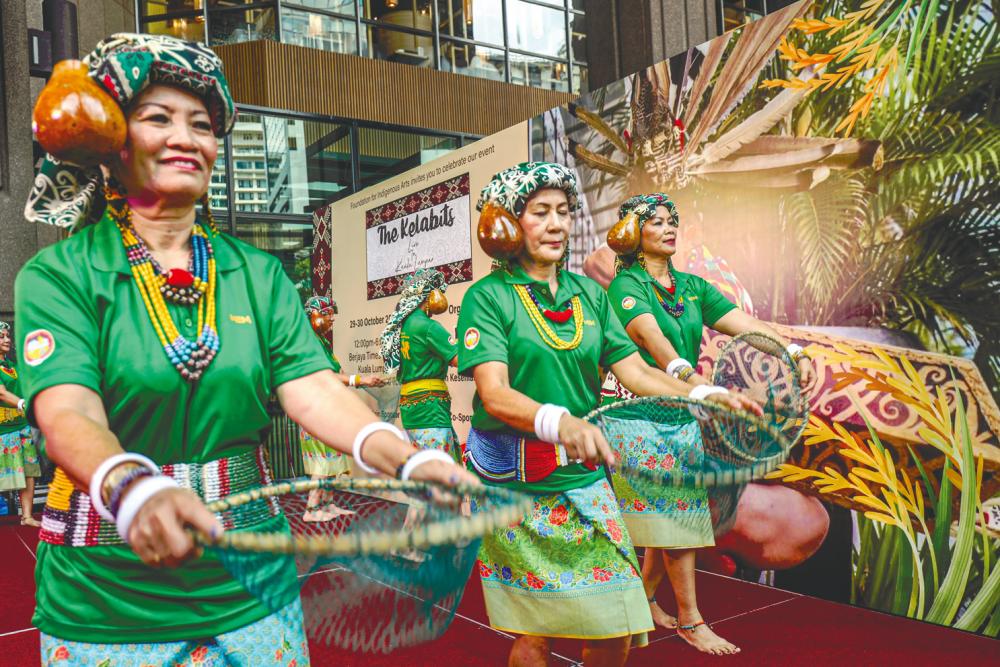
705	640
662	618
30	521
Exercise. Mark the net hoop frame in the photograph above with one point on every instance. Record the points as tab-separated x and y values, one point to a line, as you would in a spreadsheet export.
361	542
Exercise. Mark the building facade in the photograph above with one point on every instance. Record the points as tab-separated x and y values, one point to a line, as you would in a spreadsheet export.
338	95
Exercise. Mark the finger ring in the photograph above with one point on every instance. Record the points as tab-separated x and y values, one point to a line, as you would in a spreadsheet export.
453	480
156	559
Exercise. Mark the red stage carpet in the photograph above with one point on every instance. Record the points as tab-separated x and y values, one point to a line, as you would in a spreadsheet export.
772	626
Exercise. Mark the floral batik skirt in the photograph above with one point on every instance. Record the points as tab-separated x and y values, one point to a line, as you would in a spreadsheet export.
18	459
567	570
678	517
278	639
320	460
437	438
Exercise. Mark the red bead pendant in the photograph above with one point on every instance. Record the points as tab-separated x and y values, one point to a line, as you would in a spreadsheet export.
558	316
179	278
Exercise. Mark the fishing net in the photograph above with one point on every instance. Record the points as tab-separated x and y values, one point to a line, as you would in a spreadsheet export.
387	398
760	367
667	444
388	575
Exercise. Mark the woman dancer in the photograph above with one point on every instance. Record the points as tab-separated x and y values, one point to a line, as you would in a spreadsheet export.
18	459
534	338
663	311
152	345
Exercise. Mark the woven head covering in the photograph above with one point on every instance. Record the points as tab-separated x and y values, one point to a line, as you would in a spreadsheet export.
417	286
4	326
511	188
125	64
644	207
317	304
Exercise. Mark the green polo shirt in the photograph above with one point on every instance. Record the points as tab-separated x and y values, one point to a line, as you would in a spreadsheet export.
632	294
426	350
494	325
78	306
11	382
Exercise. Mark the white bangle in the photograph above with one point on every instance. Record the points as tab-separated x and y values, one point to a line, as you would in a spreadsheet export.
21	405
352	381
359	441
703	391
793	349
97	479
677	365
141	491
547	422
422	457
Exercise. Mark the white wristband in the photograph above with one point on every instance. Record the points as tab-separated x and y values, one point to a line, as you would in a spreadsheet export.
703	391
97	479
677	365
141	491
422	457
359	441
21	404
793	349
352	381
547	421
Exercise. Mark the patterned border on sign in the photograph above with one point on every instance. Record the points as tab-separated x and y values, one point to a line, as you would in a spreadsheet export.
453	188
456	272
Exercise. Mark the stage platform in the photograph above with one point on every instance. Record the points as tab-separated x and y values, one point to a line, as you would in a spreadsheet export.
773	627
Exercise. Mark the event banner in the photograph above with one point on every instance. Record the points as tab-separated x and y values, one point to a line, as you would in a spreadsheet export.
429	228
424	217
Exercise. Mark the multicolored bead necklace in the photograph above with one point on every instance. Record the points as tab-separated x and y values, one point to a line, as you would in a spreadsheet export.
550	337
675	310
558	316
190	358
8	369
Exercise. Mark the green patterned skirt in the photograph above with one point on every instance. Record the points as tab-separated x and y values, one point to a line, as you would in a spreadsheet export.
18	459
320	460
679	517
437	438
567	570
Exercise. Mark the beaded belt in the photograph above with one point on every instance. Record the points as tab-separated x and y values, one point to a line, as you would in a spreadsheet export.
505	457
423	391
70	520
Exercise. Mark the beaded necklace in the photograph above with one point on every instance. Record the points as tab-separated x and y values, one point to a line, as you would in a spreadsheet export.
190	358
542	327
8	369
558	316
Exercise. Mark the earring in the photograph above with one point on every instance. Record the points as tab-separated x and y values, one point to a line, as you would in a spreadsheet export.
641	258
206	211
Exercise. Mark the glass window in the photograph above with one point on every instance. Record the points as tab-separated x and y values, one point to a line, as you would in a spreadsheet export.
338	6
385	153
473	60
318	31
288	240
578	34
191	28
304	164
400	47
535	28
580	83
538	72
481	20
231	27
154	7
217	187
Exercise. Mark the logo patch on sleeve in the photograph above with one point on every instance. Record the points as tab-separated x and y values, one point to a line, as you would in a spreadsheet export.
628	303
38	346
471	338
